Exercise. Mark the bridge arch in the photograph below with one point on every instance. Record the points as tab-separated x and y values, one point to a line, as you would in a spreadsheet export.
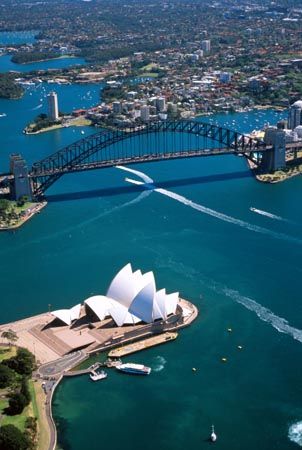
101	149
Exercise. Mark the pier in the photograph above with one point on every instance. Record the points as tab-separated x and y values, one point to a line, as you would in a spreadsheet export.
142	345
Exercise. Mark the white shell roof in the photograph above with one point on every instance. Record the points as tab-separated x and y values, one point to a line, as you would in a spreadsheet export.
68	315
100	305
131	298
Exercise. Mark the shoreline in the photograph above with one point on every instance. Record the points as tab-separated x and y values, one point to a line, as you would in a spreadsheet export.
36	210
50	373
74	123
276	177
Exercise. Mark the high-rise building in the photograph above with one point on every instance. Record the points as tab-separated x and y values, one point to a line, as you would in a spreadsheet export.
295	115
53	109
116	107
161	104
206	45
145	113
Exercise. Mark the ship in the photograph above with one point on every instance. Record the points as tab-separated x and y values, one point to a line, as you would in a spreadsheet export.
96	376
135	369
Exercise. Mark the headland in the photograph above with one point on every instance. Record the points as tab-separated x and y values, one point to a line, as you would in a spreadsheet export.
61	340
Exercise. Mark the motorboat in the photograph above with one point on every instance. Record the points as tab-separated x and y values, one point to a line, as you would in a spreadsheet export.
96	376
135	369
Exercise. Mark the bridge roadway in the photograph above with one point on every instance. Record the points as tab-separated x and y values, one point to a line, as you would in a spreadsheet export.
136	160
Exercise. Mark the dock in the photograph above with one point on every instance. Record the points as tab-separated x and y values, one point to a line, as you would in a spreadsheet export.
142	345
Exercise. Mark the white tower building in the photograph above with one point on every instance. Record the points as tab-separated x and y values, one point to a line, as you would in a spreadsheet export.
295	115
206	45
53	109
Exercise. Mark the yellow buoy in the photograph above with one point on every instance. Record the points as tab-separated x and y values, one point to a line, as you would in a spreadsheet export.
224	359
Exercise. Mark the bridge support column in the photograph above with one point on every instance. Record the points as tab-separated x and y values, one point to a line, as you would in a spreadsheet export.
20	186
275	159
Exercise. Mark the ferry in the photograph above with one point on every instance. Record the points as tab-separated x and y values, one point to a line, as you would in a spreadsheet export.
135	369
96	376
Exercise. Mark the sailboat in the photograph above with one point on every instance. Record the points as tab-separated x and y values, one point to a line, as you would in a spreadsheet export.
213	436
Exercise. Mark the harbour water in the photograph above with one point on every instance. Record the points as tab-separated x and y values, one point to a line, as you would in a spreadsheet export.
197	233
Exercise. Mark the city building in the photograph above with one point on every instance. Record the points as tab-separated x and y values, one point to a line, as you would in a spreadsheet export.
145	113
116	107
53	109
206	45
161	104
295	115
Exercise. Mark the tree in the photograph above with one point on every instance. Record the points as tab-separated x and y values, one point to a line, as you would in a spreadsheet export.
25	390
23	363
16	404
10	335
6	376
4	205
11	438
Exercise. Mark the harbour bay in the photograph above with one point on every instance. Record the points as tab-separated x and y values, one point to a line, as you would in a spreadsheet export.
95	222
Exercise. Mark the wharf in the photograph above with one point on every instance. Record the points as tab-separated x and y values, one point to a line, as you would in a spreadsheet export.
142	345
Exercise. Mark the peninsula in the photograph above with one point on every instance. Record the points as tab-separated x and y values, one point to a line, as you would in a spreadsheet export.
133	312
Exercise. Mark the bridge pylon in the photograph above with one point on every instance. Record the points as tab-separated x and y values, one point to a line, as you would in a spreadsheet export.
20	184
275	159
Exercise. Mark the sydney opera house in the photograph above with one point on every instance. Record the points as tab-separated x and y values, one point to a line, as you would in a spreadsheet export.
131	298
131	310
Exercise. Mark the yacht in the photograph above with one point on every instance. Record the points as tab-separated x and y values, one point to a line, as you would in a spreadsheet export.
135	369
213	436
96	376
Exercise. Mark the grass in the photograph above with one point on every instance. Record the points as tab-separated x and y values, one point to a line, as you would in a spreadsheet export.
39	409
149	74
7	352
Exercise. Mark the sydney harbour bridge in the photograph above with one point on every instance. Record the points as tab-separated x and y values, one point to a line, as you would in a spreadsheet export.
157	141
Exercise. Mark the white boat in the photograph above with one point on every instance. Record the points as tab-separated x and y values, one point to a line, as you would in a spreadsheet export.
96	376
213	436
135	369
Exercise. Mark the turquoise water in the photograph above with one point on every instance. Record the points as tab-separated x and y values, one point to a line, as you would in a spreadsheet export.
240	268
17	37
6	64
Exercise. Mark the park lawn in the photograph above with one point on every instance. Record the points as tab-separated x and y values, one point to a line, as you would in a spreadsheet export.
150	74
148	67
19	420
7	352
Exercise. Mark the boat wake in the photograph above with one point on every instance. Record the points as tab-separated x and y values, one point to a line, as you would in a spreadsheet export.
266	315
295	433
141	175
160	363
37	107
205	210
267	214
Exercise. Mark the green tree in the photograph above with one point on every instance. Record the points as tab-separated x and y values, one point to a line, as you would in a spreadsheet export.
10	335
6	376
16	404
23	363
25	390
4	205
11	438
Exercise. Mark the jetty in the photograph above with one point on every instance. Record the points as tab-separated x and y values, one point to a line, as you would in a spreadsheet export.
142	345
